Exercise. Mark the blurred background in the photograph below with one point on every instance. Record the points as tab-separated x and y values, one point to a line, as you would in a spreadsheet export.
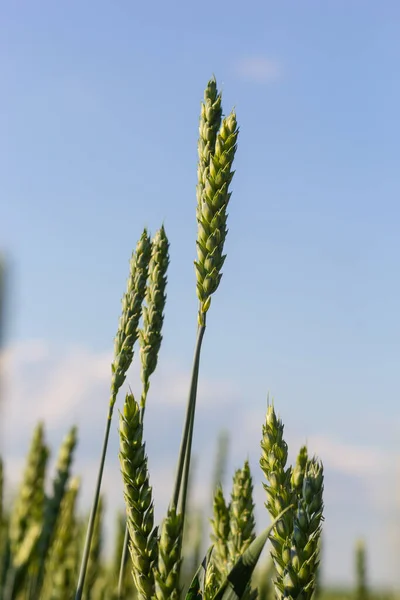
99	122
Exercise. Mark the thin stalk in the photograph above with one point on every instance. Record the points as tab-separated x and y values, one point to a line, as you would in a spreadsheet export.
190	412
123	563
186	471
90	529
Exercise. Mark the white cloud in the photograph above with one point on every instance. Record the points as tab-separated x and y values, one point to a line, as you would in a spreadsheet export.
258	69
72	386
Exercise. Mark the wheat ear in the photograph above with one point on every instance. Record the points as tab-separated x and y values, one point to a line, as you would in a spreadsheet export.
53	503
29	506
153	310
138	499
167	571
299	575
219	535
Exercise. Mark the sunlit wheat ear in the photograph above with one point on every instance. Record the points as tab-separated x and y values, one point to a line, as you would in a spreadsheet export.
299	576
153	309
241	519
220	528
131	312
29	505
167	572
138	499
54	501
212	202
279	491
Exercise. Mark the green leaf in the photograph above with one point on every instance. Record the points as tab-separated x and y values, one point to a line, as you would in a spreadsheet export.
237	580
196	590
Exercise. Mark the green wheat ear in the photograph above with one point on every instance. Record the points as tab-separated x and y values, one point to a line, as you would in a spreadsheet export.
299	576
132	300
153	310
219	535
216	155
29	506
167	571
138	499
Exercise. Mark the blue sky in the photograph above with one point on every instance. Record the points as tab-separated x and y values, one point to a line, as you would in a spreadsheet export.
98	121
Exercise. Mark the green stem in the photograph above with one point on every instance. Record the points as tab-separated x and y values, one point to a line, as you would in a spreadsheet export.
186	471
90	529
190	412
123	563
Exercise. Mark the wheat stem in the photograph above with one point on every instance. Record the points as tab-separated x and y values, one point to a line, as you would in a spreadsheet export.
123	354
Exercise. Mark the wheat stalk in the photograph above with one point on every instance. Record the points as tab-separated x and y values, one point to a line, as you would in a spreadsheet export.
216	154
123	353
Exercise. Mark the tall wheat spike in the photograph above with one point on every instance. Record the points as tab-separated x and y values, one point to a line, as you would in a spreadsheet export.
216	147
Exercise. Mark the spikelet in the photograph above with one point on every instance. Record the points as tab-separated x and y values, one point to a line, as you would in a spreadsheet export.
211	583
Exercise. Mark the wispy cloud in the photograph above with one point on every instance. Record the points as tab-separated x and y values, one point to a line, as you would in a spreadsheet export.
69	386
258	69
